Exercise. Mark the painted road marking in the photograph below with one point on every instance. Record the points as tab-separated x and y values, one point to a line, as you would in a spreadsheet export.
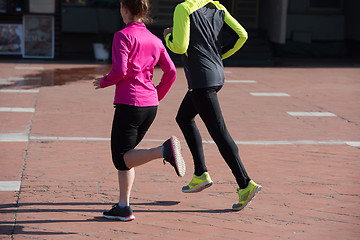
28	68
19	90
14	137
10	185
14	109
240	81
10	80
311	114
294	142
68	138
23	137
23	78
260	94
4	81
15	78
353	144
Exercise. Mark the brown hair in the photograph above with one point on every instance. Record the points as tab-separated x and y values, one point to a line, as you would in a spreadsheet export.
138	8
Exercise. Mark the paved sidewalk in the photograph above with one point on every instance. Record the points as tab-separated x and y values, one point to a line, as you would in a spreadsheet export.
297	129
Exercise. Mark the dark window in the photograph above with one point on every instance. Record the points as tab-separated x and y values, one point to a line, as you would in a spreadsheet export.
3	8
16	6
325	4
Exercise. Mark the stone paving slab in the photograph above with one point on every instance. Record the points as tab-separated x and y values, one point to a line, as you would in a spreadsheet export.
309	172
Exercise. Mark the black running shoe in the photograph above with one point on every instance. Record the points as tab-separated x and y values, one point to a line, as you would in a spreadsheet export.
119	213
172	154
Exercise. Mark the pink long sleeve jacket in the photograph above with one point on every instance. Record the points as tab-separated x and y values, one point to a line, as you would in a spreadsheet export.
135	53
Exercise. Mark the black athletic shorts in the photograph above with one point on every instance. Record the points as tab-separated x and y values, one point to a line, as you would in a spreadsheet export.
129	127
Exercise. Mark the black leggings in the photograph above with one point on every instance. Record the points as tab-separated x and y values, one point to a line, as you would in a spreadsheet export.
204	102
129	127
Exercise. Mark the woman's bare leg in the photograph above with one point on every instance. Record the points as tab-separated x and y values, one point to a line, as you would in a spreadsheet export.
126	181
134	158
137	157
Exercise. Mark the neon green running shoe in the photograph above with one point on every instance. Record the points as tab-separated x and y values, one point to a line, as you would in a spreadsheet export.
198	184
246	195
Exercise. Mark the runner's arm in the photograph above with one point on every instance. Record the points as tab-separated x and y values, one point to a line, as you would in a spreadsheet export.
120	53
168	78
238	29
178	40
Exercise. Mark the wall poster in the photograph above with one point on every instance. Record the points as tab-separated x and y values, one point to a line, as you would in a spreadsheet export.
10	39
2	6
38	36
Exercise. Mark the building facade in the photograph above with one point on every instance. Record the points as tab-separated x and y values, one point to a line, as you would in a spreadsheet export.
306	28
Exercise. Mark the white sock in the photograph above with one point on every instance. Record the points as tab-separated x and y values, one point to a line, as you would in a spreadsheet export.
122	205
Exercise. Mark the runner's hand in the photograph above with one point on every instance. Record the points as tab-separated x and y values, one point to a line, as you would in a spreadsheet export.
167	31
96	83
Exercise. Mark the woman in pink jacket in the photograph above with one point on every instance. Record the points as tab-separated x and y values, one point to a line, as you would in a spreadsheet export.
135	52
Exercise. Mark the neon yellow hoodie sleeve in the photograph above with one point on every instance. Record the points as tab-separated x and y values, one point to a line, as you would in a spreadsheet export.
179	41
240	31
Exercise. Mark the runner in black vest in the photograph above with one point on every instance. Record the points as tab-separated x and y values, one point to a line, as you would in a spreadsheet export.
205	33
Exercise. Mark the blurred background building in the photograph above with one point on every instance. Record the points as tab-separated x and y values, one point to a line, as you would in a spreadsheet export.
68	29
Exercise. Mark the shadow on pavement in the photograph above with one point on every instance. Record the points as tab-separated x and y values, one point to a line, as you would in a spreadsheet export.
18	229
